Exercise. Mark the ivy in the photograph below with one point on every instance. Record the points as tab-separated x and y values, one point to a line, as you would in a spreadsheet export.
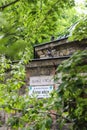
71	92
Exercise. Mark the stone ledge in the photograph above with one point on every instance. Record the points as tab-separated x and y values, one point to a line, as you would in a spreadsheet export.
46	62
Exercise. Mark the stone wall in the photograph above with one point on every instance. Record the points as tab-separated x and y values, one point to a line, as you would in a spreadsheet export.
42	67
47	58
59	48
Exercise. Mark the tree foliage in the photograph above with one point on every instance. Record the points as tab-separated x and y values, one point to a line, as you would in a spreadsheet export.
80	28
23	24
29	22
72	92
80	31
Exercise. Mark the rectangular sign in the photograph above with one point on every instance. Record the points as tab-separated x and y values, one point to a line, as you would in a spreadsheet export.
41	80
40	91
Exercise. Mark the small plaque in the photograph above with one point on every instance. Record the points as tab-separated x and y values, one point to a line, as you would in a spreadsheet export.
40	91
41	80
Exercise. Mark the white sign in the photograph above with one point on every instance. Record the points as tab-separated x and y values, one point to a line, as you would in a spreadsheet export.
41	80
40	91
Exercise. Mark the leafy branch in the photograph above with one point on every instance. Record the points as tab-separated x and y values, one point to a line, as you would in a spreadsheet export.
9	4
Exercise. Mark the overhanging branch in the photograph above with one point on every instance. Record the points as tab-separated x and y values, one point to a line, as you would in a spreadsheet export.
9	4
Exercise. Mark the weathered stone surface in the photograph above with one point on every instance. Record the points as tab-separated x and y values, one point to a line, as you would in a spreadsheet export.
46	62
42	67
59	48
